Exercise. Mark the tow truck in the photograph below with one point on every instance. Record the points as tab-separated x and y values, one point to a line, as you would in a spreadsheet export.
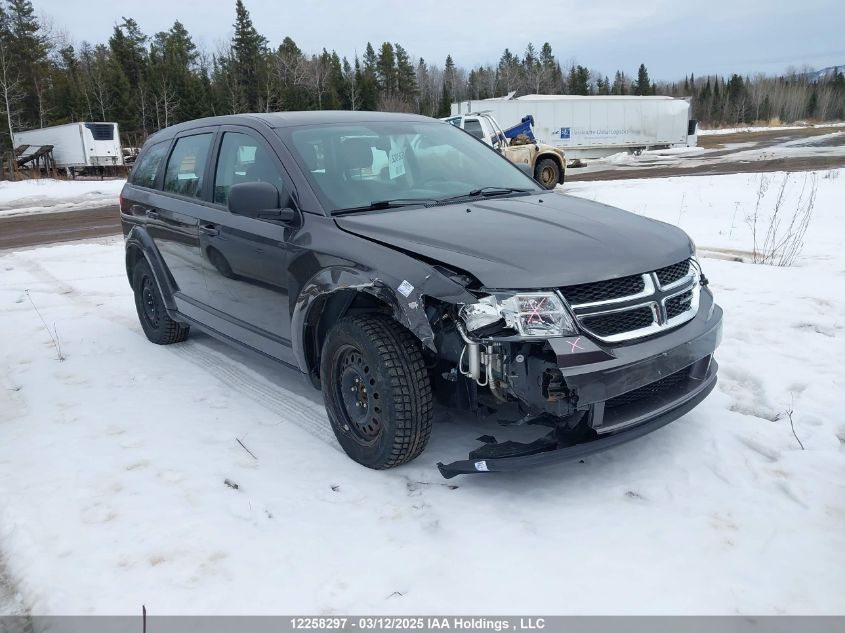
547	163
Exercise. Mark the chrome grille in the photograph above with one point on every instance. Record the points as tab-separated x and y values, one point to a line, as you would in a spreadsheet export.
638	305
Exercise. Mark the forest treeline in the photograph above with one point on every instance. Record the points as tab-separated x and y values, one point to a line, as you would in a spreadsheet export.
149	81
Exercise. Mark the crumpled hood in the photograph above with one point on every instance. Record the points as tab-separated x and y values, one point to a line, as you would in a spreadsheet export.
539	241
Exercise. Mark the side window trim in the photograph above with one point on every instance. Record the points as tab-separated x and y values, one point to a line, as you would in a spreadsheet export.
203	195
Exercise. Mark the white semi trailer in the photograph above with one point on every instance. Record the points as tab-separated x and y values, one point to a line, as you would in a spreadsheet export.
77	146
595	126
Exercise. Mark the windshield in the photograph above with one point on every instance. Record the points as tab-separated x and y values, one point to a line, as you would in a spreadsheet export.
400	163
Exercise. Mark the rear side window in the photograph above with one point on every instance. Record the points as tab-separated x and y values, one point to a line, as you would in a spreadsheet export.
187	165
146	170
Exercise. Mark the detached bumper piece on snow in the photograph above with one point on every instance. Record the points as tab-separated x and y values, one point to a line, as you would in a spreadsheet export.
555	447
621	396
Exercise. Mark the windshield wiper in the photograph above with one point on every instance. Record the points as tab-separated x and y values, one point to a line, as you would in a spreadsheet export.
486	192
386	204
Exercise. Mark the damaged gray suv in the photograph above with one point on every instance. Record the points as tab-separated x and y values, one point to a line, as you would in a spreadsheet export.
395	260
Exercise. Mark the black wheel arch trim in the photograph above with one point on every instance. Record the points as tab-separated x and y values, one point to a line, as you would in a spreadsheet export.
139	243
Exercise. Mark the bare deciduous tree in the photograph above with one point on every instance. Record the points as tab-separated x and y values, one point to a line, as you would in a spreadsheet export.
11	89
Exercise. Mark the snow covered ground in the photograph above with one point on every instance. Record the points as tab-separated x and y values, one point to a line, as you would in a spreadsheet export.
761	128
47	195
114	460
828	145
11	602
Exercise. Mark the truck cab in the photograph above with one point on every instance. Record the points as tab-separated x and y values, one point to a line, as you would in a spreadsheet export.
547	163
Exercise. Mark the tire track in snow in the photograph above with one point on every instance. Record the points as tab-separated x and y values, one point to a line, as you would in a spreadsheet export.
291	407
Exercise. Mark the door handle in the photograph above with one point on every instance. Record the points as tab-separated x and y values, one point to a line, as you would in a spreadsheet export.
152	215
209	229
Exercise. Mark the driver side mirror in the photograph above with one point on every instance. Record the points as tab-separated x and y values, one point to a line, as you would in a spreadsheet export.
260	200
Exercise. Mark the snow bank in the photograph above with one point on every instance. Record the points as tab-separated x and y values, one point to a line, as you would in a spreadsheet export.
118	455
47	195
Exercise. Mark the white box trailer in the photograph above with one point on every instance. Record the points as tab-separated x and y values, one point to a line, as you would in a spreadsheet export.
77	145
595	126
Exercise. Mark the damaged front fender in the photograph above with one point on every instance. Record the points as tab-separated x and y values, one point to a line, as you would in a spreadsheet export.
338	287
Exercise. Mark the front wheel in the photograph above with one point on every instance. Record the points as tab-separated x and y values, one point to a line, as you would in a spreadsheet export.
547	173
377	392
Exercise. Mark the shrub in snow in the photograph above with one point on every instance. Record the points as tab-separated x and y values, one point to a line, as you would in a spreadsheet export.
778	236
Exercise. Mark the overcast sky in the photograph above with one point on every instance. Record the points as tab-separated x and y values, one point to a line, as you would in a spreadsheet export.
672	37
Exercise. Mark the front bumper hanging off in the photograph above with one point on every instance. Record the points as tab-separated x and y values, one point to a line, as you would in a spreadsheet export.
682	360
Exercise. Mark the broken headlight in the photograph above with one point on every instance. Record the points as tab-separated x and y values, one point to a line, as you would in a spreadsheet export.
529	313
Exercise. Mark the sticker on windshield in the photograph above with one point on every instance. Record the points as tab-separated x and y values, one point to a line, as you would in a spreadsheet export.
397	164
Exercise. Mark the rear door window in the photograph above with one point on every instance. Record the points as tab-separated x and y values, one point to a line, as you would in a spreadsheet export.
186	166
146	170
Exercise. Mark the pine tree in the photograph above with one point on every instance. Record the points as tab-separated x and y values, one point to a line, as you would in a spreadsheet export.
292	73
450	78
28	48
445	107
248	54
386	69
509	72
67	98
369	80
350	93
174	82
406	76
551	81
643	84
128	46
813	102
579	80
426	100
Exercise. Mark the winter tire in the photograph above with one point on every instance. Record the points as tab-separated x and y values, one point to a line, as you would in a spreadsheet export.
157	324
377	391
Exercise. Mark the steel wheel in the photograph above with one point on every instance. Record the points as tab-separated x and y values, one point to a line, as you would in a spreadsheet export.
150	302
357	392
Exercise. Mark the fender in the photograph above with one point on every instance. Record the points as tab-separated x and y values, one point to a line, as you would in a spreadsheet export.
138	239
409	311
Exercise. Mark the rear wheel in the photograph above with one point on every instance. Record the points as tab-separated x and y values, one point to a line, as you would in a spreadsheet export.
547	173
377	391
157	324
